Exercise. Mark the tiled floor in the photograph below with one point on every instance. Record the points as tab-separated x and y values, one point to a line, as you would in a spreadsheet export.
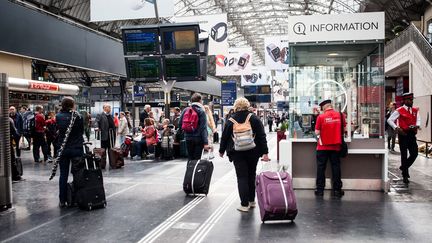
146	202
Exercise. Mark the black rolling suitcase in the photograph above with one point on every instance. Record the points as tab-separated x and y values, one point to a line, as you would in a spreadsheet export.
88	188
198	176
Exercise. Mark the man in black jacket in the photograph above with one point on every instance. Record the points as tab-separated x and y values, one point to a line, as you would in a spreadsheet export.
104	124
143	115
18	122
197	140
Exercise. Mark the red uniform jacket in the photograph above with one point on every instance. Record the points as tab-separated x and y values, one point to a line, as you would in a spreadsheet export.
406	118
329	125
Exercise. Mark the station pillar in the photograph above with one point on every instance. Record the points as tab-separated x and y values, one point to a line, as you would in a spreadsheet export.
5	152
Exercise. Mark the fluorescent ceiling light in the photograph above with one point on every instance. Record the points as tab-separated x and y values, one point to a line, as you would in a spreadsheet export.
333	54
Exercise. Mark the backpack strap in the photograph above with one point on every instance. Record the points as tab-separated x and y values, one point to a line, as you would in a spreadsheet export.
248	117
233	121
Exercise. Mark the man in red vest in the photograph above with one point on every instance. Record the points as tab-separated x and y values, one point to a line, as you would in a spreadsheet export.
329	135
408	124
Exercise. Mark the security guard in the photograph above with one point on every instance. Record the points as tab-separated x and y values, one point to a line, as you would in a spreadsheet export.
408	124
329	135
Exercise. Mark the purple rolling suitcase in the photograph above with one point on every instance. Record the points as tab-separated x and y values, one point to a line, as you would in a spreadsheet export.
275	196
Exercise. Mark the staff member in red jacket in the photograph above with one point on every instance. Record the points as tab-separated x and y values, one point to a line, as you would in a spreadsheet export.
39	135
409	122
329	135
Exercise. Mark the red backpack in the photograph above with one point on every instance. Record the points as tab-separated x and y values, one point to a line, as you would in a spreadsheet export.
190	120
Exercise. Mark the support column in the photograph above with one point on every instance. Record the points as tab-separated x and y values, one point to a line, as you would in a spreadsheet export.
5	152
167	87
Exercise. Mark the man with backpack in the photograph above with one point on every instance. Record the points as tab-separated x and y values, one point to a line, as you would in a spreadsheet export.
193	122
28	124
39	135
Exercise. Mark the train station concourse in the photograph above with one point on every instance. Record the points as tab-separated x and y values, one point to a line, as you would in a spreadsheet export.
215	121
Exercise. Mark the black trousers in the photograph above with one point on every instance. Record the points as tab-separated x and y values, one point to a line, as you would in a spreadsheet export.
39	142
51	142
322	157
17	146
407	143
195	147
245	164
270	126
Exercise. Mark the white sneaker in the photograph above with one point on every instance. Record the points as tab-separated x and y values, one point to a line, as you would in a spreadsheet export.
252	204
243	209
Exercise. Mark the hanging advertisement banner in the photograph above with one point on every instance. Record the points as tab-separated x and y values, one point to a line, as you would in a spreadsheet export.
109	10
216	26
258	77
228	92
236	62
276	49
337	27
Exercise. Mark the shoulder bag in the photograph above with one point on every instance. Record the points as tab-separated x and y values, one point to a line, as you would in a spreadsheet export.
344	147
60	151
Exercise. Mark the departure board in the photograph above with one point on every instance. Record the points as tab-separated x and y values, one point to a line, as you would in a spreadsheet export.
145	69
141	41
184	68
180	40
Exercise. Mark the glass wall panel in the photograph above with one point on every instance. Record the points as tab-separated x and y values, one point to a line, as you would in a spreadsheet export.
351	75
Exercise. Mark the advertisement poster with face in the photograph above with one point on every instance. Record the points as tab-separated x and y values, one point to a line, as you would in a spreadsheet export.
258	77
109	10
237	62
276	49
213	26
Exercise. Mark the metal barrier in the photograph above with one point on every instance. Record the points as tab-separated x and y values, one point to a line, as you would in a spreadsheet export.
410	34
5	153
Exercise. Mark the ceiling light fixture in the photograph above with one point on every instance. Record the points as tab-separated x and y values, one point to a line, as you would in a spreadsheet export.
333	54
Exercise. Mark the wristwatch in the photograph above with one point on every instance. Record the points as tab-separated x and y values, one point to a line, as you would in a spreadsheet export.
274	52
284	56
221	60
215	32
243	61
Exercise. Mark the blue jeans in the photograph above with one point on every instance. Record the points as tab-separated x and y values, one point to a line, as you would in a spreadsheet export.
69	155
140	147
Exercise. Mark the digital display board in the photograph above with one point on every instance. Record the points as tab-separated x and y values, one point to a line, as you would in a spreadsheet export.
144	69
259	98
141	41
261	89
182	68
180	40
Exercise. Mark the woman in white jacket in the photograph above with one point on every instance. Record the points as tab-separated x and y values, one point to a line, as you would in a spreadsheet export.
123	128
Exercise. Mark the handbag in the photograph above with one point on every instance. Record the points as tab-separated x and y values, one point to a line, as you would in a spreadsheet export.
344	147
62	147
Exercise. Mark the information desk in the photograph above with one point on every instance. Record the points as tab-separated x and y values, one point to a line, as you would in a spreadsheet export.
365	167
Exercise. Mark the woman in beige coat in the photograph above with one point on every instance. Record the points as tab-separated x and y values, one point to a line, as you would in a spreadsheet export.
123	128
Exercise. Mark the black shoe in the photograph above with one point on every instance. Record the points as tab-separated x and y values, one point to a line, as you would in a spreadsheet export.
17	178
405	180
319	193
62	205
338	193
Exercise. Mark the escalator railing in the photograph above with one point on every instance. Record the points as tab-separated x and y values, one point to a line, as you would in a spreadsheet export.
410	34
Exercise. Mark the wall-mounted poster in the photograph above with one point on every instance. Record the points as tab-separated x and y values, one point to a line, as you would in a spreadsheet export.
216	26
276	49
109	10
258	77
238	61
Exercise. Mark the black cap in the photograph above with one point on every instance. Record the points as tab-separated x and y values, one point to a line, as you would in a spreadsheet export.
408	96
325	102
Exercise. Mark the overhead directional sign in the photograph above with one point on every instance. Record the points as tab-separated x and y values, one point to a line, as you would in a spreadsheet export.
229	92
139	91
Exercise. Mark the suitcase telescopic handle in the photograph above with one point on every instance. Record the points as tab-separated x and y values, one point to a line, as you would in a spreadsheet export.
208	154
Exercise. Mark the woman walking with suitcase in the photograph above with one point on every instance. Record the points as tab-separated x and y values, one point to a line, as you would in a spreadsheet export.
244	140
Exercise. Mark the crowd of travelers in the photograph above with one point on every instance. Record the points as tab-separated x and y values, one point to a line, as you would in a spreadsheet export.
190	132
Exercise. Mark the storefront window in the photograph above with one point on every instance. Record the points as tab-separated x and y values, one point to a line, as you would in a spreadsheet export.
352	75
